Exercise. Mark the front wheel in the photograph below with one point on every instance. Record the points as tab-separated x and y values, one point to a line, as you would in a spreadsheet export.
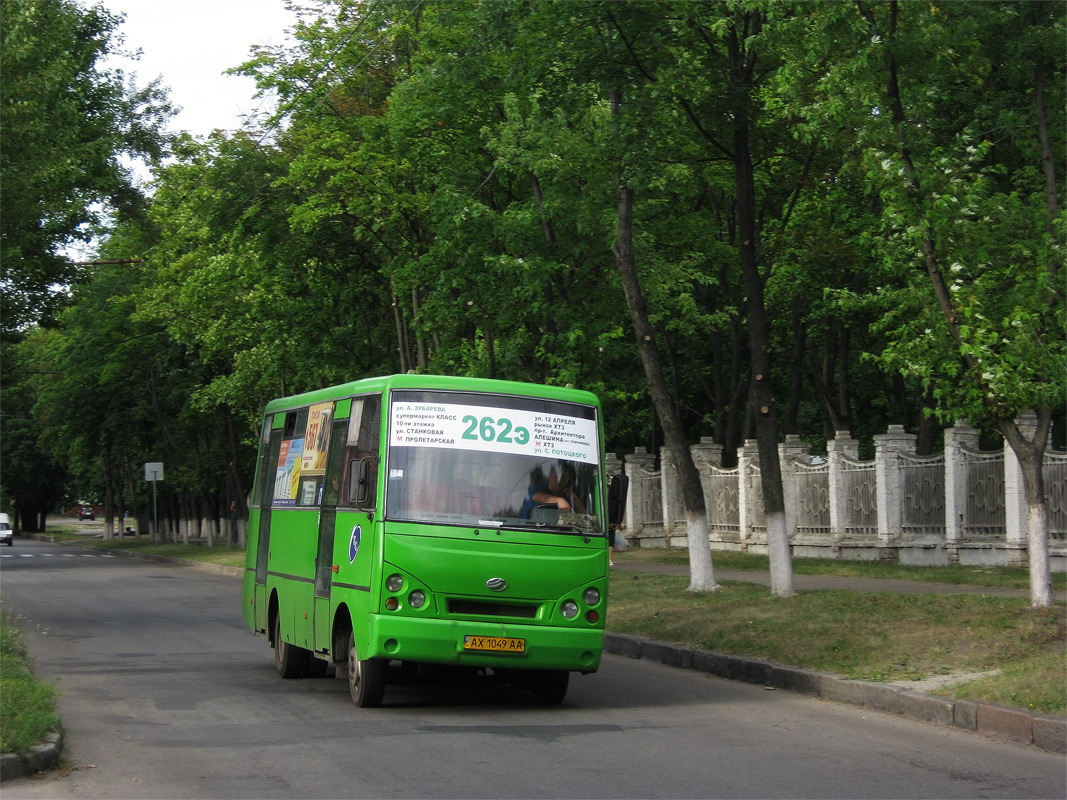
366	677
550	686
289	659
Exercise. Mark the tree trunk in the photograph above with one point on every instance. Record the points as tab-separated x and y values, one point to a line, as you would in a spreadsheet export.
701	572
759	328
1031	455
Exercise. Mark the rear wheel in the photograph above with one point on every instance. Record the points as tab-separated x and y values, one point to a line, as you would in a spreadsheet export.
289	660
550	686
366	677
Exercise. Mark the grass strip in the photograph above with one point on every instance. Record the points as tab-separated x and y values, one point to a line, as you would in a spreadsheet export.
27	704
878	636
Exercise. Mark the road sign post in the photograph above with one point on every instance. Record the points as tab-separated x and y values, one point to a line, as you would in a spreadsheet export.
153	471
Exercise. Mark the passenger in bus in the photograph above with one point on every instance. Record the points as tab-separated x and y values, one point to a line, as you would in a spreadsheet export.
555	490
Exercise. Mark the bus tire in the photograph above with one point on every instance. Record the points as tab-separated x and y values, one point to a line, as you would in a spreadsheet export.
289	660
550	686
366	677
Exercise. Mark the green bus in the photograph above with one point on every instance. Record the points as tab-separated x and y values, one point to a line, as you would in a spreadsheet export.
408	521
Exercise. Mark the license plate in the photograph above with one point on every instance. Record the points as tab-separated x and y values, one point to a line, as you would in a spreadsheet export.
495	644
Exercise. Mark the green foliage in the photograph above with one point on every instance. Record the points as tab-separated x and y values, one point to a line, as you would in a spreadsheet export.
66	121
438	192
27	704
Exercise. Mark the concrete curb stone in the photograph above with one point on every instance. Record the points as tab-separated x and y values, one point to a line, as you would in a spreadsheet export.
997	722
39	758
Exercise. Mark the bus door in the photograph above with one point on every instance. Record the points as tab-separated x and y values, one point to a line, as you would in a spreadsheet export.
348	510
265	492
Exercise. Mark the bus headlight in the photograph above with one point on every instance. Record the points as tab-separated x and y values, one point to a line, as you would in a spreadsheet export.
569	609
394	583
591	596
417	599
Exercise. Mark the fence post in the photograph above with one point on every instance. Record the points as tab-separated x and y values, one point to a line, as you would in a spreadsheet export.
841	445
956	438
1016	526
746	458
791	449
889	486
706	454
675	518
637	464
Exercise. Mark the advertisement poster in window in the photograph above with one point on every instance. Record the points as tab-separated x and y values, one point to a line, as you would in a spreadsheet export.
288	476
317	439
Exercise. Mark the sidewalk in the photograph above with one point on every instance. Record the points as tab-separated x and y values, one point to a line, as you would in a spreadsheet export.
827	581
998	722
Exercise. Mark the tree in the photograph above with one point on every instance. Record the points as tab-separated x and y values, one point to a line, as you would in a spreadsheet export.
32	479
1006	332
959	115
66	122
722	105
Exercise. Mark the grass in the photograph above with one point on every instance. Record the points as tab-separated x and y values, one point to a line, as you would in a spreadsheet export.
27	704
1020	652
878	636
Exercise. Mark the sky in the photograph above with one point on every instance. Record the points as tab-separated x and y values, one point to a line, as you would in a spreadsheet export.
190	44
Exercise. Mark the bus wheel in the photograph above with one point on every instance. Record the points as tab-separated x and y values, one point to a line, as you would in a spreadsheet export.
366	677
550	686
289	660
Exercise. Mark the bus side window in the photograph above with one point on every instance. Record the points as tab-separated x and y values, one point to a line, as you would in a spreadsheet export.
268	459
335	463
362	455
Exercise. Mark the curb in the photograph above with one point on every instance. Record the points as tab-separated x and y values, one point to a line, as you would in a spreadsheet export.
995	722
39	758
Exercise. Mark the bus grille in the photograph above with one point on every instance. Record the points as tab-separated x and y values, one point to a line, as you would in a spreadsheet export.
490	609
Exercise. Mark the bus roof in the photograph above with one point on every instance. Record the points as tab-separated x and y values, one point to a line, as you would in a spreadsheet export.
443	382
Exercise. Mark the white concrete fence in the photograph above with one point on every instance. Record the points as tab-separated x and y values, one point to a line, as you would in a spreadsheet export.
964	506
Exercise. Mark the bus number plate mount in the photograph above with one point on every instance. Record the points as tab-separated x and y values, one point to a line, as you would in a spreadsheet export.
494	644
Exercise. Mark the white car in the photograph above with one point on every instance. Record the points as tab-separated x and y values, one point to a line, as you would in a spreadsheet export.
7	535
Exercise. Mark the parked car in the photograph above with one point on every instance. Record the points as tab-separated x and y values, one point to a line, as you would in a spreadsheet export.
7	534
85	512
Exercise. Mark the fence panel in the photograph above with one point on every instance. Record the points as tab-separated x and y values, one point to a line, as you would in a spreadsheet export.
652	506
984	515
860	480
724	508
1055	473
813	497
924	494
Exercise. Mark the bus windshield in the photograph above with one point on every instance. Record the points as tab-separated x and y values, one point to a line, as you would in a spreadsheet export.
493	461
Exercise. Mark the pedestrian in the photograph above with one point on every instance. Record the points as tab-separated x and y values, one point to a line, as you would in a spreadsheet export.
233	538
617	487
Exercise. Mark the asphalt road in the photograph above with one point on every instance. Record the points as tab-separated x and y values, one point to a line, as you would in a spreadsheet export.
165	694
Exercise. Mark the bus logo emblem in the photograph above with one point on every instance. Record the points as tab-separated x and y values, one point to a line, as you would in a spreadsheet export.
497	584
353	543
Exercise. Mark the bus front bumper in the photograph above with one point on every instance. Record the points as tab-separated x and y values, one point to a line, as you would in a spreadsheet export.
484	644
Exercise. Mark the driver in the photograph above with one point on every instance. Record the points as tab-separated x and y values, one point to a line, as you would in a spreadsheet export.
555	490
